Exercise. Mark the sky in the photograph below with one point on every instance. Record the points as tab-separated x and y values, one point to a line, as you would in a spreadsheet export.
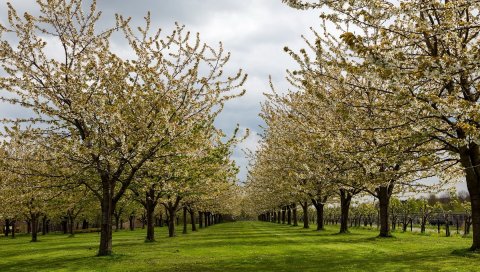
254	31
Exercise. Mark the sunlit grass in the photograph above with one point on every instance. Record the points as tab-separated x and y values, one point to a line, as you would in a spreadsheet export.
242	246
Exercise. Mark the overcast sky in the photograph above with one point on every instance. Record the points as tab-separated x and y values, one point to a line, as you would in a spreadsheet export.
254	31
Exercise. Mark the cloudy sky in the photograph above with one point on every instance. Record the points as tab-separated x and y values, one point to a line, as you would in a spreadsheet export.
254	31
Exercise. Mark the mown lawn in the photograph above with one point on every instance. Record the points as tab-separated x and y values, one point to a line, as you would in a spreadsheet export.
242	246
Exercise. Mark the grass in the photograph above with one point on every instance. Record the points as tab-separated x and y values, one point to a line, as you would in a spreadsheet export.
242	246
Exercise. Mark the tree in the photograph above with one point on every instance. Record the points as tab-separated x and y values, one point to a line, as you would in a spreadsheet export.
110	114
27	173
404	60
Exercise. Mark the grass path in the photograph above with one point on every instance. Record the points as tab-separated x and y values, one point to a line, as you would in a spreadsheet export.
242	246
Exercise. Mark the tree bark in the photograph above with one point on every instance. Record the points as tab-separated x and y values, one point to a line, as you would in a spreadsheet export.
117	221
423	224
319	208
470	160
34	219
171	226
150	204
171	208
295	218
200	219
289	215
192	220
107	208
447	225
44	225
184	220
7	227
345	199
384	193
29	226
71	224
131	221
305	215
144	220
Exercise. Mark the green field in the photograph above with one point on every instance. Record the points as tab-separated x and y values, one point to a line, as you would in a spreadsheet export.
242	246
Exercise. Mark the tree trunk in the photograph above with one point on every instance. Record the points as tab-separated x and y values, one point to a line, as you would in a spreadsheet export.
184	220
200	219
345	199
468	223
117	222
278	217
144	220
295	218
44	225
107	208
150	210
171	209
319	208
423	224
447	225
192	220
131	221
305	215
383	194
65	225
171	227
470	160
7	227
457	224
404	223
34	218
283	215
71	225
289	215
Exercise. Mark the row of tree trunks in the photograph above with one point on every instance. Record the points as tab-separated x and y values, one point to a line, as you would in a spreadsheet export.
10	223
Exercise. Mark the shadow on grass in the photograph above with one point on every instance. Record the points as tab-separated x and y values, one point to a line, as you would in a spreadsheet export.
466	252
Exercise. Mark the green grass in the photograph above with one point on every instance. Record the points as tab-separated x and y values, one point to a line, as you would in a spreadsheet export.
242	246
